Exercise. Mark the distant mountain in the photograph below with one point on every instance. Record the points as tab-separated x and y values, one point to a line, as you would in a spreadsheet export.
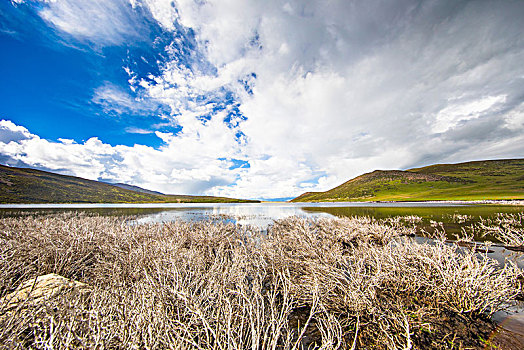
25	185
136	189
478	180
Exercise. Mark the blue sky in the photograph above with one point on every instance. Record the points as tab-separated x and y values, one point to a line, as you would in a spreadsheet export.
257	99
62	74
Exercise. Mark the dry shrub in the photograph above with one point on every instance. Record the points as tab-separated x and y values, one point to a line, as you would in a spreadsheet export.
344	283
507	228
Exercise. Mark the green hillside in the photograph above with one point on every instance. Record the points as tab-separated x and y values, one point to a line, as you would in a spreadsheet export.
23	185
479	180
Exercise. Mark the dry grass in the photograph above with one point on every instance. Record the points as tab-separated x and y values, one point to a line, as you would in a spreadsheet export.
345	283
507	228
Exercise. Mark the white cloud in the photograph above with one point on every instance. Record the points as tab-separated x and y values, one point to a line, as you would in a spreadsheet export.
186	164
114	99
163	11
10	132
339	88
343	88
514	119
100	21
133	130
106	22
455	113
75	159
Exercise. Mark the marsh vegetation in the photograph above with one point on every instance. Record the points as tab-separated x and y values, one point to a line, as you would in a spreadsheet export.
355	283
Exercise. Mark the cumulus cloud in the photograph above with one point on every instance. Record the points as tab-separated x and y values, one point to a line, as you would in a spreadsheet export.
163	11
10	132
451	116
313	93
348	87
79	159
186	164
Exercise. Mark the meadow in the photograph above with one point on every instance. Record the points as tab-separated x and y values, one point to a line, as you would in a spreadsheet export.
470	181
350	283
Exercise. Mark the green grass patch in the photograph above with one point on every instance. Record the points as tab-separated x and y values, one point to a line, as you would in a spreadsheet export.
483	180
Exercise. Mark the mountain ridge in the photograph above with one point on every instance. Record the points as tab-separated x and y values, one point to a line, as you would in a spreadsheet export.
475	180
27	185
136	188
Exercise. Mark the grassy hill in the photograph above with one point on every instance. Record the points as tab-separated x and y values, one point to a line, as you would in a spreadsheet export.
135	188
490	179
23	185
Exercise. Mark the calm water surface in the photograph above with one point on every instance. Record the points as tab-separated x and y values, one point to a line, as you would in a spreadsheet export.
263	214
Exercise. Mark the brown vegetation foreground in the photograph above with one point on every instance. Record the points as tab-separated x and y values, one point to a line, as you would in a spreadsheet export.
345	283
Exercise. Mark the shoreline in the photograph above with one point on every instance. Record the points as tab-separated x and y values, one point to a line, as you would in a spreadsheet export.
516	202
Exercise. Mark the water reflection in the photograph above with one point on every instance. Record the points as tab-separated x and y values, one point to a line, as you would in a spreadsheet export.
263	214
454	218
260	216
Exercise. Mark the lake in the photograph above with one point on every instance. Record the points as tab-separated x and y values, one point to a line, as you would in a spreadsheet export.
453	216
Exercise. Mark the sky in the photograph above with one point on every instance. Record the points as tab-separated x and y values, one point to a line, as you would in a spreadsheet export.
257	99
